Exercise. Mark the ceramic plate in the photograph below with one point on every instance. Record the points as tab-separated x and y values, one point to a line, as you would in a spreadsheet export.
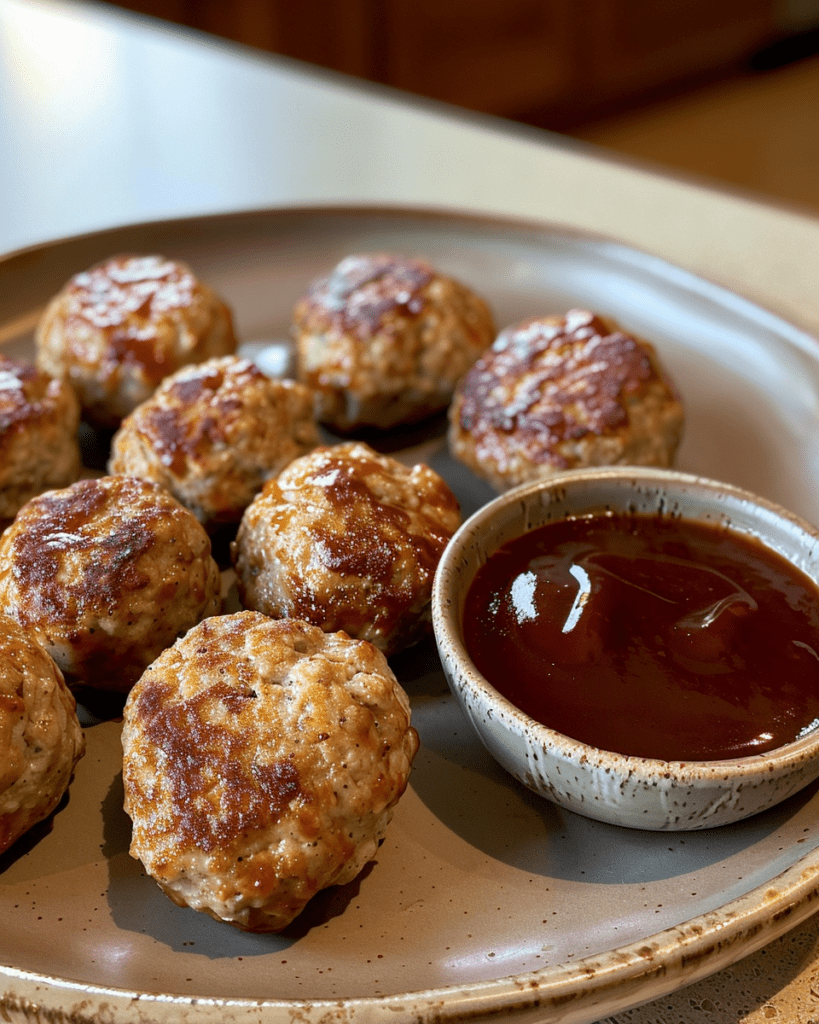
485	900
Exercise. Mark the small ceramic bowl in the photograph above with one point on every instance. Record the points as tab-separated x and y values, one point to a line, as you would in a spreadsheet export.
625	790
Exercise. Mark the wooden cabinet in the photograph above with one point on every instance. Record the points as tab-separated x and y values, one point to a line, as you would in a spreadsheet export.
338	34
498	57
645	44
553	62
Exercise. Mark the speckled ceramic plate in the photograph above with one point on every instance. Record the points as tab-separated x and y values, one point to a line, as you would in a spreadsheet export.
485	900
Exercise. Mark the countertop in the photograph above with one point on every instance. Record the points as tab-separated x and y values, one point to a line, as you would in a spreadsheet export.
109	119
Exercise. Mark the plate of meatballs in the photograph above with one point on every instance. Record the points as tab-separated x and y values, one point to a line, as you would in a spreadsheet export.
234	785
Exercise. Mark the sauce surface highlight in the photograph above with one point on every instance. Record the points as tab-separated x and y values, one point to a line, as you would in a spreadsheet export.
651	636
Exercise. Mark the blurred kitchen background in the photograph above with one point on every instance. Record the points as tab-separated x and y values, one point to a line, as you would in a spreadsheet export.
728	89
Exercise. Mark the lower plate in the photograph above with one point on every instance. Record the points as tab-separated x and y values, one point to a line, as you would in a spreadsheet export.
484	899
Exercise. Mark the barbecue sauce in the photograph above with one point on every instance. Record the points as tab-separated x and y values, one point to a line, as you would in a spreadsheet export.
655	637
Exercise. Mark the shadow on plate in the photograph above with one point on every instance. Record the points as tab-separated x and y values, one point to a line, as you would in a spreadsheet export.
33	837
462	785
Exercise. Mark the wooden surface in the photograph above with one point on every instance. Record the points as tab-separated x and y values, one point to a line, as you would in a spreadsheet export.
756	131
549	62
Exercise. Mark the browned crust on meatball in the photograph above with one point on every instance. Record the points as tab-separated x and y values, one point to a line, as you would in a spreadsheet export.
562	392
363	290
212	434
107	573
39	449
383	339
262	762
121	327
41	739
347	538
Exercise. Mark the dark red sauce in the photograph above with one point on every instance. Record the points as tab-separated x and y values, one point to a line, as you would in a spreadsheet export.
652	636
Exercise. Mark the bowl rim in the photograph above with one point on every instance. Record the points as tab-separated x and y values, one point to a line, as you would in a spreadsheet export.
446	616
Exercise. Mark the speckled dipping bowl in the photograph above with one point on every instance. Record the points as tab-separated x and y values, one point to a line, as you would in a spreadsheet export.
632	791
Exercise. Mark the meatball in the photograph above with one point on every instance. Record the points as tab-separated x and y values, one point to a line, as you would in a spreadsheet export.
39	447
212	434
116	330
262	761
382	341
41	739
106	574
564	392
350	539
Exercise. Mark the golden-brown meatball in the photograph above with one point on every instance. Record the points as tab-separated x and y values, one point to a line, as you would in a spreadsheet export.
262	762
116	330
39	448
41	739
564	392
212	434
347	539
382	340
106	574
